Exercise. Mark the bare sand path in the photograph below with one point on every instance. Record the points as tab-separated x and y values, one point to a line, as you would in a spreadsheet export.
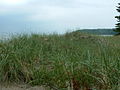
22	87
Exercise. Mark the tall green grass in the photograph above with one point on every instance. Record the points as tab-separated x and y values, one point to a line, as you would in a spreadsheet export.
72	61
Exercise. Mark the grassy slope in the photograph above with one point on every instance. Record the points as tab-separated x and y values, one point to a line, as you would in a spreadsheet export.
73	60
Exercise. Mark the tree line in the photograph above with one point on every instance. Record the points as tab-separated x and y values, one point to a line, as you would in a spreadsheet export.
117	27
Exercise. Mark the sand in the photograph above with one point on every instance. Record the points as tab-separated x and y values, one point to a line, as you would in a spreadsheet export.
21	87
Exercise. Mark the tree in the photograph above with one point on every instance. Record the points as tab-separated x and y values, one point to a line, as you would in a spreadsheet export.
118	19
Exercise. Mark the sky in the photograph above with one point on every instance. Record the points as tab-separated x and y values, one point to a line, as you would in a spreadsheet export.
56	16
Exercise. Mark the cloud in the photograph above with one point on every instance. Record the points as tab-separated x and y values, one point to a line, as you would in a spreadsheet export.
9	2
12	2
58	13
7	6
75	3
12	6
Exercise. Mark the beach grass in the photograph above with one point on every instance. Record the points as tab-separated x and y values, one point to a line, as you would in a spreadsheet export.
75	61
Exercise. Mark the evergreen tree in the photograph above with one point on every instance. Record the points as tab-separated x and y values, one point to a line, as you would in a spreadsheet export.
118	19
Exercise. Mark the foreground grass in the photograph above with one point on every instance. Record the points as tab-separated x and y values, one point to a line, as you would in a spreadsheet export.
72	61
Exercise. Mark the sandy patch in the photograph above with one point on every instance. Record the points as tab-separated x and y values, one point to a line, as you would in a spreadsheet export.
22	87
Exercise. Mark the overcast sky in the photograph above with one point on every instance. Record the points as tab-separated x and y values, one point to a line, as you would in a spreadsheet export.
56	15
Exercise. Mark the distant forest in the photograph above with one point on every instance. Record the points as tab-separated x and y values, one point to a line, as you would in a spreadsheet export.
99	31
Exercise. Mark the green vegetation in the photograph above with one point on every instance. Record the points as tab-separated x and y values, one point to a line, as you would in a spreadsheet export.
99	31
118	20
74	60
